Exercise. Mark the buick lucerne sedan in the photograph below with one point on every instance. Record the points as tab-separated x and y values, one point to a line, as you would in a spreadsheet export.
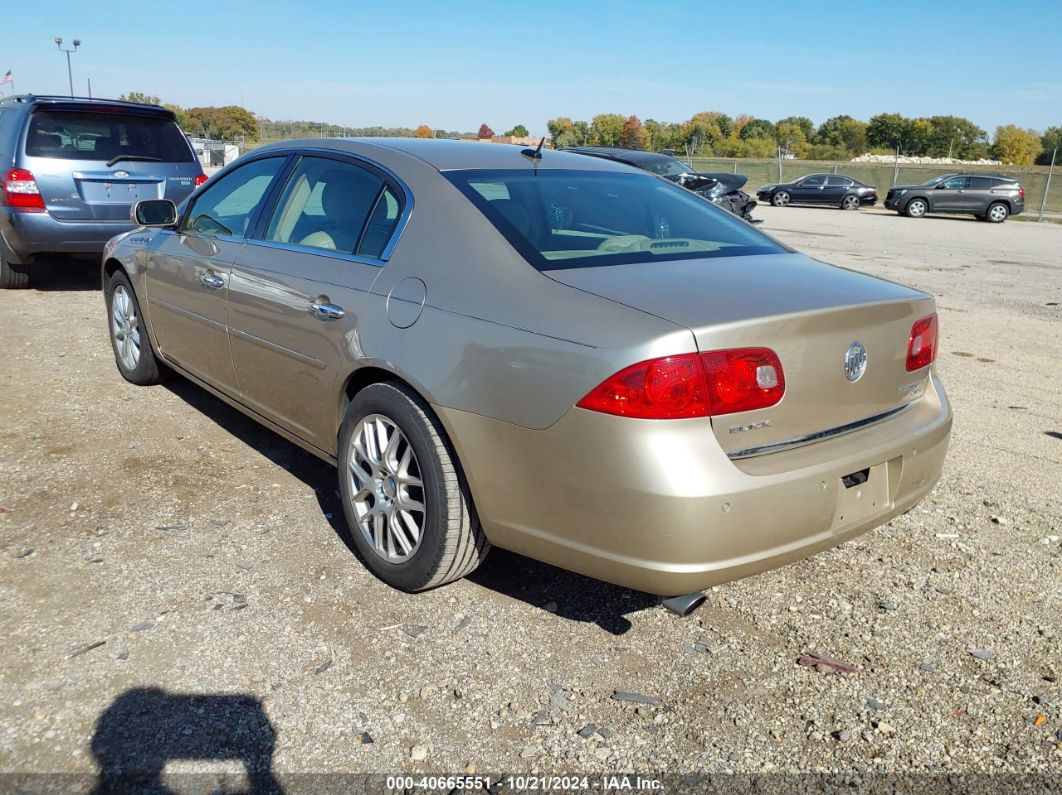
559	355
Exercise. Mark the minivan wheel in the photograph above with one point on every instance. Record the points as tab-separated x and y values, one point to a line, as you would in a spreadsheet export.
997	212
404	497
781	199
850	203
133	353
916	208
13	277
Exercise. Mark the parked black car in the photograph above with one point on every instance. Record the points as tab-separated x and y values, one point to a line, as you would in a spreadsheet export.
834	190
720	188
989	197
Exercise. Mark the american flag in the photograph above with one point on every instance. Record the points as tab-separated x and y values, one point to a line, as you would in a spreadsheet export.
7	78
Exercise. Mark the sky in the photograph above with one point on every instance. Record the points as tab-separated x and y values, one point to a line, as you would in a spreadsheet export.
456	64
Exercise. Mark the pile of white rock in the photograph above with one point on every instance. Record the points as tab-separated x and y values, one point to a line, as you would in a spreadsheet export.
941	161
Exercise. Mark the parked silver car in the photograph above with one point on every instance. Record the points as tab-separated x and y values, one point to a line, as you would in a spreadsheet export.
559	355
71	169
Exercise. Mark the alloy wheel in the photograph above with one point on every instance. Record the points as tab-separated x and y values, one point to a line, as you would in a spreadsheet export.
125	326
997	212
850	203
780	199
387	488
916	209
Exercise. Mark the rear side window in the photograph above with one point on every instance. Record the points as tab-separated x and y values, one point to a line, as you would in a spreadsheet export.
844	182
985	182
74	135
335	206
558	218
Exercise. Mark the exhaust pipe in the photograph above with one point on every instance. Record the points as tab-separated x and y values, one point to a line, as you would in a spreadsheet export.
685	604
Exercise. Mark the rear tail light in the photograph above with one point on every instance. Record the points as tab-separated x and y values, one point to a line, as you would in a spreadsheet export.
692	385
19	190
1021	191
200	179
922	346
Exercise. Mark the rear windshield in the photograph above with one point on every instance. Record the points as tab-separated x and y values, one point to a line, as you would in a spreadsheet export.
572	219
72	135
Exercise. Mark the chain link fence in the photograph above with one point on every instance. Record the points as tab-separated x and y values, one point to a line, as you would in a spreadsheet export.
1035	179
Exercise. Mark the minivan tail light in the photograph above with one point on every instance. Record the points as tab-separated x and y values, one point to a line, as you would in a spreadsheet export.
692	385
200	179
20	191
922	344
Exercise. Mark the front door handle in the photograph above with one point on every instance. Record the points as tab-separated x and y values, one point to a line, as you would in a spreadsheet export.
212	281
325	311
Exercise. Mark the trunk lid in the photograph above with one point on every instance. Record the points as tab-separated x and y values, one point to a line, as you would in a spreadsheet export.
809	313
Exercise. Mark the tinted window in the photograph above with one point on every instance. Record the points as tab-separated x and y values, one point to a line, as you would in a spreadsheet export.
955	183
984	182
227	206
842	181
70	135
565	219
326	204
813	181
381	226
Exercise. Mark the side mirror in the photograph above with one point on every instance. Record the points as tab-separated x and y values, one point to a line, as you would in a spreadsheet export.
154	212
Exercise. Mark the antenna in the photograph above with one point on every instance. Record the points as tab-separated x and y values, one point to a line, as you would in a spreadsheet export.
536	153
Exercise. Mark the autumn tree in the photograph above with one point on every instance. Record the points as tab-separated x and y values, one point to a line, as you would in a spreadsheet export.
702	131
607	128
140	98
802	123
423	131
228	123
1016	146
633	135
561	132
485	131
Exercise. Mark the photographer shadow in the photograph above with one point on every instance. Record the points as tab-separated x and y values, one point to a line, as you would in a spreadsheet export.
145	728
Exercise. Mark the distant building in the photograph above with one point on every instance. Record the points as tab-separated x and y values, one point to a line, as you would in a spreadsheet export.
526	140
214	153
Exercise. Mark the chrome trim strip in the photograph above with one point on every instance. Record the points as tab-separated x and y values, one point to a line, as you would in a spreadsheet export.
818	436
187	313
272	346
317	252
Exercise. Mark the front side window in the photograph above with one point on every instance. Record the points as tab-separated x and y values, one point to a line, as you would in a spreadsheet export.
814	181
227	207
568	219
110	137
335	206
955	183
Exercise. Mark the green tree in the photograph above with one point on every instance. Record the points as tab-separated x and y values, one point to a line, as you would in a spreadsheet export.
1016	146
791	136
890	130
1051	140
633	135
581	131
806	126
561	132
757	128
423	131
702	131
953	136
140	98
607	128
519	131
228	123
842	133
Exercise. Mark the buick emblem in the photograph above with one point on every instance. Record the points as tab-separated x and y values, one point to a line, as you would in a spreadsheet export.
855	361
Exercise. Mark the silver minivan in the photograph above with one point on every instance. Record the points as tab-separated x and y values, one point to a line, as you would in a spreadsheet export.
71	169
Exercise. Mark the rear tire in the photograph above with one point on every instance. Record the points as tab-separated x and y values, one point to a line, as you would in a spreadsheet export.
916	208
850	203
399	478
133	354
781	199
997	213
13	277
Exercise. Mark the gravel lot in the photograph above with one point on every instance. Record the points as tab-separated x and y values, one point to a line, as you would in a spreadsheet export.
176	582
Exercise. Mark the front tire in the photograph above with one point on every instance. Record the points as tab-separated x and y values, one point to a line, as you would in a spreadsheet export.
133	353
997	213
850	203
781	199
916	208
13	277
405	499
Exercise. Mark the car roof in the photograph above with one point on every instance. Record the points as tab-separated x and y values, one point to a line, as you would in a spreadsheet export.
451	155
619	153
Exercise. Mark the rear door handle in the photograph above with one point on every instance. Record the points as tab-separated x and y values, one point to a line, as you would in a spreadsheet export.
212	281
326	311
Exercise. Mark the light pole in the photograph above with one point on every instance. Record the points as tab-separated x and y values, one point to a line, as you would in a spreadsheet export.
69	71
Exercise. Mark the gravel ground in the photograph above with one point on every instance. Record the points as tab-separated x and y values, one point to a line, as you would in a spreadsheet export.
177	583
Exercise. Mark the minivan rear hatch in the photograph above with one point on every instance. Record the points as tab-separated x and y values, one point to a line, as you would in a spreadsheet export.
92	161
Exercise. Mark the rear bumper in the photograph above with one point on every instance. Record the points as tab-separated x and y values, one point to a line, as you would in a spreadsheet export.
657	506
23	235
